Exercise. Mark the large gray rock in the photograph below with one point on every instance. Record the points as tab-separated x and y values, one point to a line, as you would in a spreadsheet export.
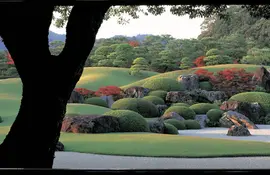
262	78
156	126
90	124
231	118
108	99
172	115
76	97
238	131
179	97
189	82
202	119
136	92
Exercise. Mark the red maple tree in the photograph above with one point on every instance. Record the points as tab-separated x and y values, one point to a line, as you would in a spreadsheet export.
134	43
199	61
108	90
10	60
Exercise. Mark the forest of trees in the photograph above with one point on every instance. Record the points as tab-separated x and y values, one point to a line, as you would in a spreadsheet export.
238	38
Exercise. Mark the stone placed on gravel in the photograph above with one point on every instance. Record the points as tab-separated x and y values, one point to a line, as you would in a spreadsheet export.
202	119
238	131
172	115
231	118
189	82
90	124
59	146
156	126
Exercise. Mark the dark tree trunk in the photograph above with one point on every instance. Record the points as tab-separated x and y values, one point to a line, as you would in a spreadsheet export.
47	80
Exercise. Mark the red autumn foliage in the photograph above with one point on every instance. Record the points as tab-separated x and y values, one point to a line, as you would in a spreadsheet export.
199	61
233	81
108	90
134	43
10	60
204	75
85	92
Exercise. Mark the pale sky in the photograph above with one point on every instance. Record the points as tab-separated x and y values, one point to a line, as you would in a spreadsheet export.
178	27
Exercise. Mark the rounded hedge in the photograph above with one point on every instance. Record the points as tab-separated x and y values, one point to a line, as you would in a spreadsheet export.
192	124
129	121
214	115
154	99
203	108
183	111
260	97
165	84
205	85
96	101
180	104
141	106
158	93
180	125
170	129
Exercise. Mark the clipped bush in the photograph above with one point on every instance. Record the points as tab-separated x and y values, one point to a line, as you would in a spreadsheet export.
96	101
260	97
203	108
158	93
165	84
180	104
129	121
180	125
192	124
154	99
183	111
214	115
141	106
205	85
170	129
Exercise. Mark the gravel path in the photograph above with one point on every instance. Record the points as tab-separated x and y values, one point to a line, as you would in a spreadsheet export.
71	160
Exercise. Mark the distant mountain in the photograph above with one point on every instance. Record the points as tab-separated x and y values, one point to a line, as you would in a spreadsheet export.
139	37
52	37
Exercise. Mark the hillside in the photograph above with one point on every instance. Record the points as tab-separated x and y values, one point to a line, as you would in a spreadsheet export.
175	74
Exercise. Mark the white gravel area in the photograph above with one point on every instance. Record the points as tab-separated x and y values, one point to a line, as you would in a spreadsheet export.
72	160
261	134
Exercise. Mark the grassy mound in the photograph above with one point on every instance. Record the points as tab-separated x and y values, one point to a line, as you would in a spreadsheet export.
159	93
154	99
96	101
183	111
203	108
165	84
260	97
141	106
129	121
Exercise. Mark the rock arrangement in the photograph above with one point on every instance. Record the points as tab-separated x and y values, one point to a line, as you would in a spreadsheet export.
238	131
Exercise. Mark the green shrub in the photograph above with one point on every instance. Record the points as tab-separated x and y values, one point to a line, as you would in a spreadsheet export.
141	106
129	121
267	119
170	129
180	104
260	97
159	93
214	115
203	108
259	89
1	120
265	107
154	99
180	125
96	101
192	124
183	111
206	85
165	84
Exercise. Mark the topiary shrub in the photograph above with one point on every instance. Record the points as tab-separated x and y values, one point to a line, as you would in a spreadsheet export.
180	104
214	115
183	111
170	129
159	93
165	84
141	106
205	85
192	124
260	97
154	99
203	108
129	121
96	101
180	125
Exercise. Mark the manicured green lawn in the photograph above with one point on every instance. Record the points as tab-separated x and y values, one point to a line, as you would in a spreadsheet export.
175	74
160	145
